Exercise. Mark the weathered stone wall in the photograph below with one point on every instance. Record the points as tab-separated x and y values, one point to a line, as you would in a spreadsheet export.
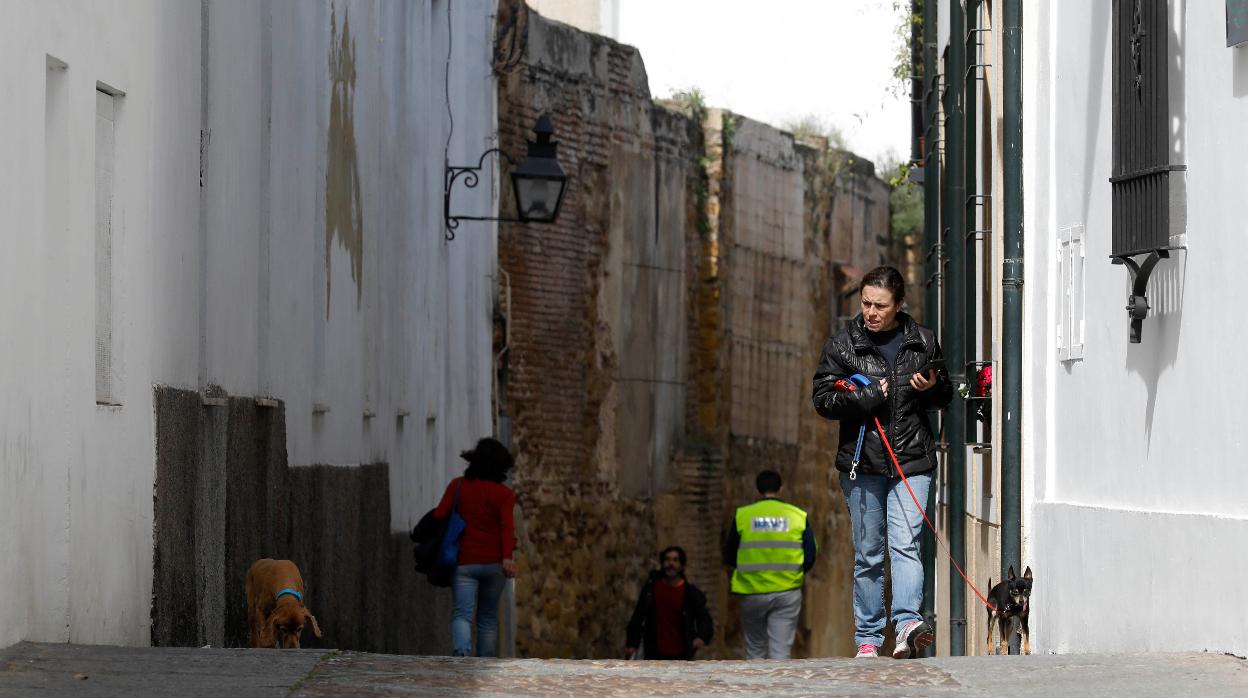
860	217
828	625
225	497
782	218
594	374
661	339
908	254
860	214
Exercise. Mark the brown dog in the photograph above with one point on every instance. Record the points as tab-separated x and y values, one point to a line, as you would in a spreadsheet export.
275	610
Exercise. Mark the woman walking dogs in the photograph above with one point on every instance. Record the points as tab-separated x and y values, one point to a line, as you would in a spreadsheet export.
903	363
486	548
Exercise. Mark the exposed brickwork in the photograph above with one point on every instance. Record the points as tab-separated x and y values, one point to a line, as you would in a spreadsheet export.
637	424
585	547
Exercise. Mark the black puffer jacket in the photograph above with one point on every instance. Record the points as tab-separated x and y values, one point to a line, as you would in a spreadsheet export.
903	412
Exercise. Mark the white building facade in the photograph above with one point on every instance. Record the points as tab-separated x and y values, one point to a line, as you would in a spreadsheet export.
1132	508
240	198
1134	511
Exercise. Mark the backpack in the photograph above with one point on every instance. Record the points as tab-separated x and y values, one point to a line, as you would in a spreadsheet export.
436	553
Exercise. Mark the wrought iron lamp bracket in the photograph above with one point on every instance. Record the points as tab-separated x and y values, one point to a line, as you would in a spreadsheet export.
471	180
1137	302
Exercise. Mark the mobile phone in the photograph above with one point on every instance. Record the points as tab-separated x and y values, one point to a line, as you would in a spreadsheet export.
937	364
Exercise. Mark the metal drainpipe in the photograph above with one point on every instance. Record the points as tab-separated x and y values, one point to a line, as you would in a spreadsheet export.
931	268
970	280
954	320
1012	290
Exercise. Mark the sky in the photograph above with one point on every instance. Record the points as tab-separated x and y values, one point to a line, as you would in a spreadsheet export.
780	60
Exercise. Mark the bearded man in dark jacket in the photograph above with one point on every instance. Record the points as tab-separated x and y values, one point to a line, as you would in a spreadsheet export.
904	365
670	617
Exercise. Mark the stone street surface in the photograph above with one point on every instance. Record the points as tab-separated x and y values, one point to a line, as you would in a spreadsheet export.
27	669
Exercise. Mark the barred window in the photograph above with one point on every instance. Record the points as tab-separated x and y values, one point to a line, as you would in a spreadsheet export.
1148	198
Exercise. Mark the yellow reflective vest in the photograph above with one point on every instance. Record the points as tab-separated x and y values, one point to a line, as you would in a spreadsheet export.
770	555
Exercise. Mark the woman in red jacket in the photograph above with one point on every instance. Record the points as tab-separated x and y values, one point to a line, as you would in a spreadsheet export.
487	546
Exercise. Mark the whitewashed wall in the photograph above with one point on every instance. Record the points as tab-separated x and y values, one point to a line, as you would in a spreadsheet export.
1135	513
227	284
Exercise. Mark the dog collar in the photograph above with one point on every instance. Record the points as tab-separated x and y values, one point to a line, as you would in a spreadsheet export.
288	592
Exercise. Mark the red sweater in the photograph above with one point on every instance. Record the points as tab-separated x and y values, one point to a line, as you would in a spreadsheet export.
488	509
669	606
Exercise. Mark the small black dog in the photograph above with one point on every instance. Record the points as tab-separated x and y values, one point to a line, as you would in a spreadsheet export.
1012	599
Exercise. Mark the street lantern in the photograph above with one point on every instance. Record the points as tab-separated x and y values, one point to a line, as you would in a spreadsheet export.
538	183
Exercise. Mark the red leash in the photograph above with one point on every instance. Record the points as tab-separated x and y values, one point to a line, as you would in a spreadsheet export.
841	385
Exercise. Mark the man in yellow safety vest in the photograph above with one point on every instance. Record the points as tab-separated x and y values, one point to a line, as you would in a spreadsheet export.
772	549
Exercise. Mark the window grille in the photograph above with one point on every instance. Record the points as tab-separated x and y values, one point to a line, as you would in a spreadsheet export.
1148	196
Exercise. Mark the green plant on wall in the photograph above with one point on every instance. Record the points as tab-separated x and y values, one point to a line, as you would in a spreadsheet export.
811	126
909	26
730	128
703	195
905	199
837	158
837	162
692	98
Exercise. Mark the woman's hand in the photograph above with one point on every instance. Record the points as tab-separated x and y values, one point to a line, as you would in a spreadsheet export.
921	382
509	568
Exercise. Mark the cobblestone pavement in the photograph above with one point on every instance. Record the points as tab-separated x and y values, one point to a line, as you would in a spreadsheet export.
94	670
1136	675
27	669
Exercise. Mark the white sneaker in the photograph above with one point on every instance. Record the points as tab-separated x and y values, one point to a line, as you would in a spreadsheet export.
867	651
913	638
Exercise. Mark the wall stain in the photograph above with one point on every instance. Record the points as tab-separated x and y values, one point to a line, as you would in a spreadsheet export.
344	209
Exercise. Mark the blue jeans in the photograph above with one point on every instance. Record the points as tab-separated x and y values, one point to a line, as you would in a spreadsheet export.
880	511
476	591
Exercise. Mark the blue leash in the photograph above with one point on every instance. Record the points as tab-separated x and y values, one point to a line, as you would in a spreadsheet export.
862	429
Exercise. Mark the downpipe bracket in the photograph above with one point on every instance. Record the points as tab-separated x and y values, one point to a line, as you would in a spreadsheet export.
1012	272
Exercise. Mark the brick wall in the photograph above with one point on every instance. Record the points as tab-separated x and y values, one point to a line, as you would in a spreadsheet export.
662	338
595	367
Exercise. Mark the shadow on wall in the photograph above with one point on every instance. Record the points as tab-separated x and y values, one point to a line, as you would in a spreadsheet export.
1178	86
226	497
1159	347
1099	40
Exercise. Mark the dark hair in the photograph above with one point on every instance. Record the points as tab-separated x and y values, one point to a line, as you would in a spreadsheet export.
684	559
768	481
488	460
887	278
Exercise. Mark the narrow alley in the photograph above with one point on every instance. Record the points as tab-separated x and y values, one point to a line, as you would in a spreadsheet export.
480	347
